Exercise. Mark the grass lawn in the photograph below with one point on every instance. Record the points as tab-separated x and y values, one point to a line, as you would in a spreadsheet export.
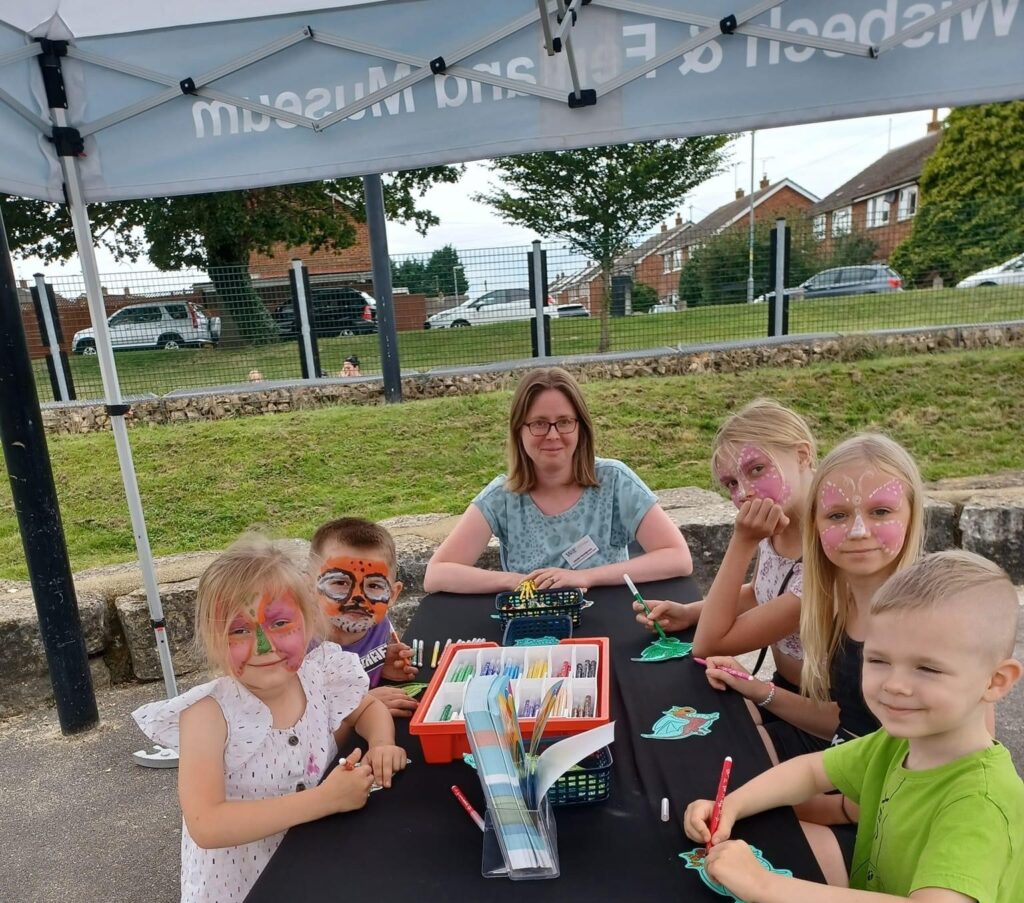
160	372
204	483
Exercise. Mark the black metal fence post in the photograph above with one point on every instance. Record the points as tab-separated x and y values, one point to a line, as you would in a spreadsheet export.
57	366
305	320
537	273
35	503
778	268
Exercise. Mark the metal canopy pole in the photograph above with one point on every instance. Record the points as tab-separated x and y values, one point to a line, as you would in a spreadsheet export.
35	503
115	406
380	261
51	338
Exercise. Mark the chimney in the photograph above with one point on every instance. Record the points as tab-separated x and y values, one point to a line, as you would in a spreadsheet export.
935	125
679	219
764	182
664	228
739	193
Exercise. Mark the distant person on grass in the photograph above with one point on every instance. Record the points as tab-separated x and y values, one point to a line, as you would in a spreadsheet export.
564	517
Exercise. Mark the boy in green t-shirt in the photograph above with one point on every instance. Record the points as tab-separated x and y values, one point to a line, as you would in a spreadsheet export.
941	805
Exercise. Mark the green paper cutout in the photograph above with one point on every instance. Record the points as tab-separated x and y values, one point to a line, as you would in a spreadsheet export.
664	648
680	722
412	690
694	859
537	641
262	643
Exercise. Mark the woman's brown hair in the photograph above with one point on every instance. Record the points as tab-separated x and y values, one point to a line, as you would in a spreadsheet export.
521	474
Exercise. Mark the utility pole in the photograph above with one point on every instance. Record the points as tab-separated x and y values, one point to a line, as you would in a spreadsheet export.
750	241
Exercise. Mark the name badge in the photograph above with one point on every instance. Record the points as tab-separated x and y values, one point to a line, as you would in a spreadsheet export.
580	551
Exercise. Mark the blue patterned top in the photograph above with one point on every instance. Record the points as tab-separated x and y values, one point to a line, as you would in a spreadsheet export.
609	514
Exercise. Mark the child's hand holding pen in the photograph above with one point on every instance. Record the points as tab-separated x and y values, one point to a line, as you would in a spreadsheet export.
398	661
384	761
348	786
725	673
697	819
672	616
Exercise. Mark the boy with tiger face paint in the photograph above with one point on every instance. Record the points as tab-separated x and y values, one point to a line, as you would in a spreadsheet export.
355	565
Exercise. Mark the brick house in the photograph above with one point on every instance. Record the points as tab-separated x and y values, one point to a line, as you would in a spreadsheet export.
661	269
881	200
658	260
352	262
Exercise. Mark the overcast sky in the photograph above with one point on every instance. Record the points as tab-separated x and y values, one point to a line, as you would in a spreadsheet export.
819	157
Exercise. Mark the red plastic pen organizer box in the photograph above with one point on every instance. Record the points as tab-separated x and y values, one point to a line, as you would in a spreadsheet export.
444	741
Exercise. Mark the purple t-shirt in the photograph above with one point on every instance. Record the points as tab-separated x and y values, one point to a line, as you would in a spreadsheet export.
372	649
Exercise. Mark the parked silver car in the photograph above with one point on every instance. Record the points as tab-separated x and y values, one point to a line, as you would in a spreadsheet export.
1009	273
166	325
866	279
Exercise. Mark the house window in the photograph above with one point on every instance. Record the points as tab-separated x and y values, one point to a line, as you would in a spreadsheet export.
908	202
842	221
673	261
878	211
818	225
666	263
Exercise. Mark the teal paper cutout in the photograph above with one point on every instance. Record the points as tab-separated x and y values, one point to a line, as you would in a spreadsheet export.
694	859
680	722
663	649
537	641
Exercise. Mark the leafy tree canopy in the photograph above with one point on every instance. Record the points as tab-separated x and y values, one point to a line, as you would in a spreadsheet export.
972	194
600	199
217	232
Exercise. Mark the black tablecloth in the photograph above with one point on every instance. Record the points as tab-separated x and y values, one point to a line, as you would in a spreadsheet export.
415	842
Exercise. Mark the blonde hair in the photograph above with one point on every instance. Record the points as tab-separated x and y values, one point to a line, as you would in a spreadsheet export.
249	567
955	574
825	603
522	477
766	423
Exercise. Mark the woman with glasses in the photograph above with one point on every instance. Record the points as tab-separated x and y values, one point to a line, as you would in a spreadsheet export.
563	517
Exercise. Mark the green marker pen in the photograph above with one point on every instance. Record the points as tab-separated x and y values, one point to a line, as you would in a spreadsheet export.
640	599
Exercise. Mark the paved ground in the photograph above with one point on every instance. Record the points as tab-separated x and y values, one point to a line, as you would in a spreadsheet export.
82	822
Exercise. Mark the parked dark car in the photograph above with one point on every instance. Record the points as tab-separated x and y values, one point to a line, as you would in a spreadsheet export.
866	279
336	311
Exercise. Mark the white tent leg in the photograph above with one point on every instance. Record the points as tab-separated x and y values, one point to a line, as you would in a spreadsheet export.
116	407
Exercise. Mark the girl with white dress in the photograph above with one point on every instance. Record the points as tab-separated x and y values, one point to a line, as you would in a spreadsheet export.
254	743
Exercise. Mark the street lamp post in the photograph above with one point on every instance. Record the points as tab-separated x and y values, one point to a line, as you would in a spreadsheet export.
455	278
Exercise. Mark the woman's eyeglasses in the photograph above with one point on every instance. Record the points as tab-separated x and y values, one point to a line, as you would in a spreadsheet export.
543	427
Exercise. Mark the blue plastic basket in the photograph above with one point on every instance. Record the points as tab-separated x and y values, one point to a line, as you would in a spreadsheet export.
544	604
557	626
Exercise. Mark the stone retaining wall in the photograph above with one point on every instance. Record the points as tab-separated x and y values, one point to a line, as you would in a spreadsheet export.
120	642
798	353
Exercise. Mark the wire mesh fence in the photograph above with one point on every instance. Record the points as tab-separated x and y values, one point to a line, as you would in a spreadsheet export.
862	268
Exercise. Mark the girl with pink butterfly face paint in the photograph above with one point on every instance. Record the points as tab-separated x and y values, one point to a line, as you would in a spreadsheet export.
866	522
255	742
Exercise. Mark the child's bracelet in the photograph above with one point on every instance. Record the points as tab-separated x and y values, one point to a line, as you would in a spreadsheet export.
767	701
842	805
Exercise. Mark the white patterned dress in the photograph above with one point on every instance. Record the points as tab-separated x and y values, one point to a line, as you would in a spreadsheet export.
770	581
260	761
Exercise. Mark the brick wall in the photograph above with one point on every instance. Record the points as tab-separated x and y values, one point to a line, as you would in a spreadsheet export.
354	259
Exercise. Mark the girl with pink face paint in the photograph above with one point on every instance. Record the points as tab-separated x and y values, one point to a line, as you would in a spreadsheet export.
254	743
764	457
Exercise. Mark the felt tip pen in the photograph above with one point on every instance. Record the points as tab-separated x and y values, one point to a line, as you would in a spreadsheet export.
646	607
470	811
435	653
664	808
740	674
716	812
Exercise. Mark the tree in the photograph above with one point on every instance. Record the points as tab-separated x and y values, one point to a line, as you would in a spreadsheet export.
599	199
217	232
716	272
440	274
972	193
644	298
